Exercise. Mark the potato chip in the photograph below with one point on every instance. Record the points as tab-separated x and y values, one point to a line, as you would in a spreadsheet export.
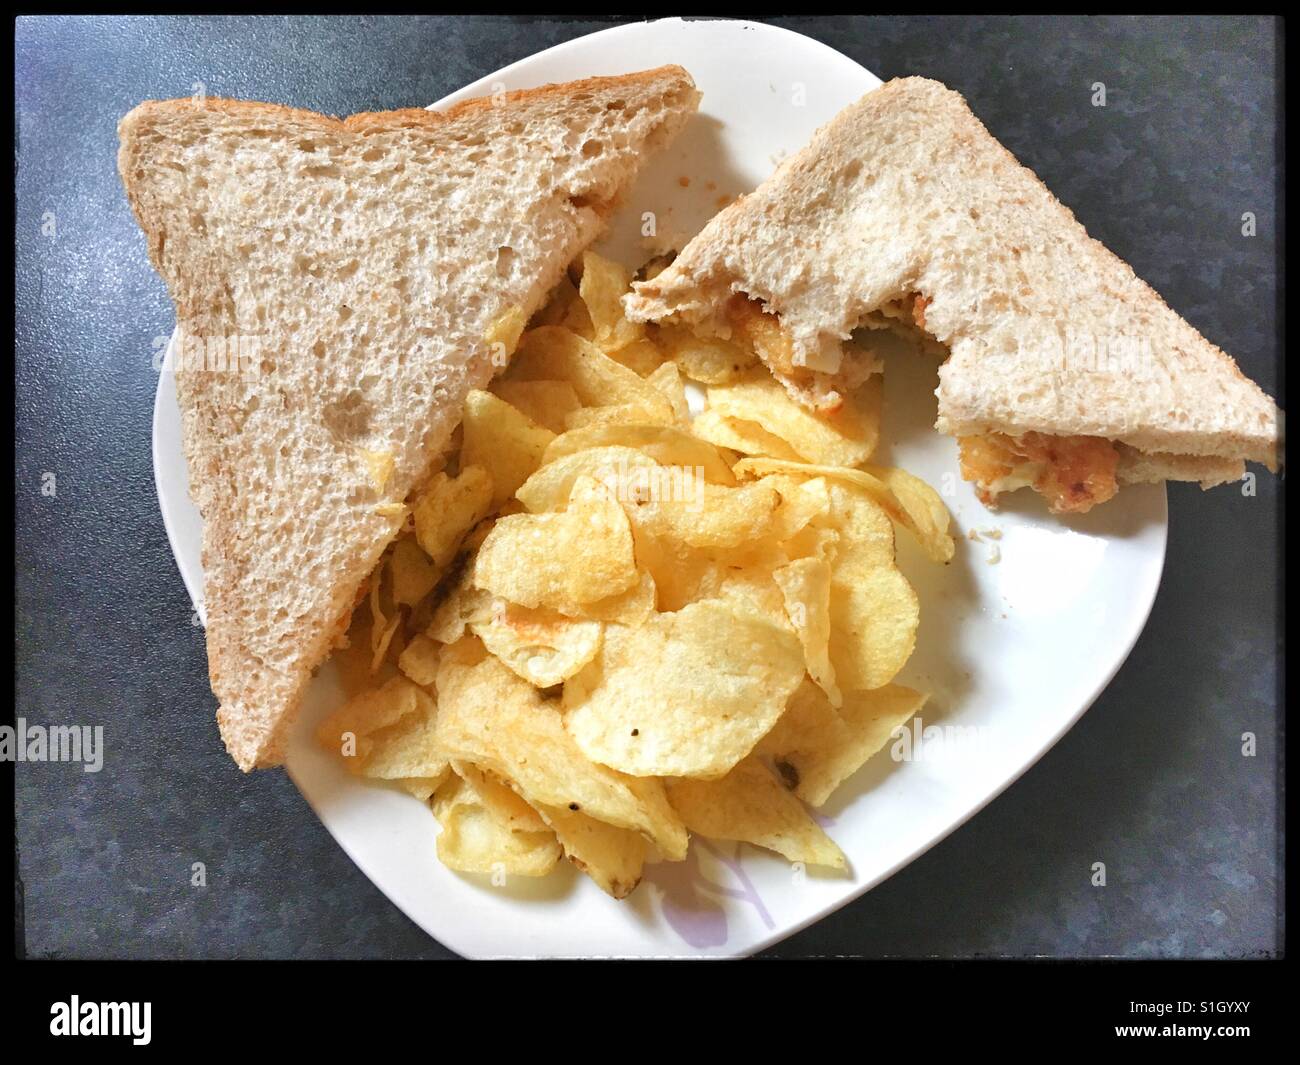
688	584
413	572
666	444
386	633
640	356
448	509
681	574
630	608
686	694
421	788
475	537
764	555
619	414
546	402
790	535
549	488
543	647
866	531
602	288
421	616
503	334
670	497
376	601
806	587
386	733
504	802
709	360
749	804
502	440
906	499
347	730
463	604
754	586
749	438
384	641
874	617
613	857
417	617
476	839
924	512
352	657
466	652
668	380
556	354
815	748
577	320
845	438
711	515
489	716
407	749
813	542
578	555
562	297
419	660
802	503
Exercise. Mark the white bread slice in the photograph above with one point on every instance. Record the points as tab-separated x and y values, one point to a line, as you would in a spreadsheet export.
371	258
906	193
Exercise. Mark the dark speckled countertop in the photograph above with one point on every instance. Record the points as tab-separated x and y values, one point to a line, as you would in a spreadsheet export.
1152	781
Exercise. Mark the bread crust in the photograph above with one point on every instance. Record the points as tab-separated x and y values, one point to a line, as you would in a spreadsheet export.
670	76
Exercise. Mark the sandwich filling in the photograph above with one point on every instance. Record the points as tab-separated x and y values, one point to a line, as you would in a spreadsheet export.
819	379
1072	473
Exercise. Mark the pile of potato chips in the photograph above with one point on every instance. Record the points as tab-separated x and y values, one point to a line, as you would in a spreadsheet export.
608	624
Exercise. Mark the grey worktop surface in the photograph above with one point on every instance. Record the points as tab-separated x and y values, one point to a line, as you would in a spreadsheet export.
1152	781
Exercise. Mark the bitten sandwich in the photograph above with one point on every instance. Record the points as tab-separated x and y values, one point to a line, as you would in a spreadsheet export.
1063	371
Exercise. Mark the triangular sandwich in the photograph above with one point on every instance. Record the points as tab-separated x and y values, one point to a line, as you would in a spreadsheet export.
340	286
1064	371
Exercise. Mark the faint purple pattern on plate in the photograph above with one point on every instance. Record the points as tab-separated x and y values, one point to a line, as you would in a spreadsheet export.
689	899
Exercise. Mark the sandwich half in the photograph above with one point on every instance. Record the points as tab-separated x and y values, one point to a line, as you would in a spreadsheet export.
1063	370
340	286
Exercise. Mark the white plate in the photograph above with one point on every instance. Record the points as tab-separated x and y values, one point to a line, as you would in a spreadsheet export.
1013	651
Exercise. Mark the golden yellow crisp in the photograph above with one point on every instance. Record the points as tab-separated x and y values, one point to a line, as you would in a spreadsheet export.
749	804
575	556
686	694
815	748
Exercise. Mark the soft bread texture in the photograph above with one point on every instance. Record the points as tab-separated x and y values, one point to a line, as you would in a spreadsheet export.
905	192
371	259
1140	467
